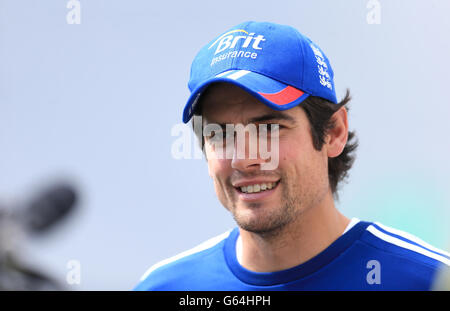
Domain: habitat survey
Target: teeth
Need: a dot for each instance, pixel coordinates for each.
(258, 187)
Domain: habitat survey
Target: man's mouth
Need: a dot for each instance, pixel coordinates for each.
(257, 188)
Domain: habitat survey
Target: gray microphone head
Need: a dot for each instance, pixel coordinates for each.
(49, 207)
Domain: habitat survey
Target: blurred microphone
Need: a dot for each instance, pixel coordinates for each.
(37, 215)
(48, 208)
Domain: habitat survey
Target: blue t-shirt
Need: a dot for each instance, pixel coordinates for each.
(367, 256)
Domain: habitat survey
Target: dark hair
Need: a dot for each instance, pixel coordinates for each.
(319, 112)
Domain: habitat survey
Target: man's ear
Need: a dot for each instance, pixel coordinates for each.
(338, 135)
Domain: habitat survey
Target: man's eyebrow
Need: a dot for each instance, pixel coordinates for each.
(272, 117)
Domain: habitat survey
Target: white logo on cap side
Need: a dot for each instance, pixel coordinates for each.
(324, 76)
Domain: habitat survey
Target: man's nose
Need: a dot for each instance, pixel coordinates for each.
(246, 155)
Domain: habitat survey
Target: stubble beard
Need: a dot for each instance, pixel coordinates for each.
(275, 220)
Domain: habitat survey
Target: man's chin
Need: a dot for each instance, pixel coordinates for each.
(259, 224)
(263, 230)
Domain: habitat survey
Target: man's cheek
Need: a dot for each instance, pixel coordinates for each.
(291, 152)
(285, 152)
(216, 167)
(223, 194)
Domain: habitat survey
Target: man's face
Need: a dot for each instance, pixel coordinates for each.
(300, 180)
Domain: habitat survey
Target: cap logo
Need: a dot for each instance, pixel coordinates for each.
(232, 39)
(228, 40)
(322, 67)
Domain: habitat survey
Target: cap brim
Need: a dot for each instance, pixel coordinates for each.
(274, 94)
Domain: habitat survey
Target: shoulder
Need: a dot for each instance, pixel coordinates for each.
(405, 248)
(171, 272)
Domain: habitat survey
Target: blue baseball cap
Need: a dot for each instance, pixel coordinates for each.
(275, 63)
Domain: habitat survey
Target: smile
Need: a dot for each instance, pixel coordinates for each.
(258, 187)
(256, 192)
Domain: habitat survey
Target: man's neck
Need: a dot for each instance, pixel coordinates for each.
(313, 231)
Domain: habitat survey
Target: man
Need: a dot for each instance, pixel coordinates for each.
(290, 236)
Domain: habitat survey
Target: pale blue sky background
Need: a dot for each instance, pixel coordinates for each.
(95, 103)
